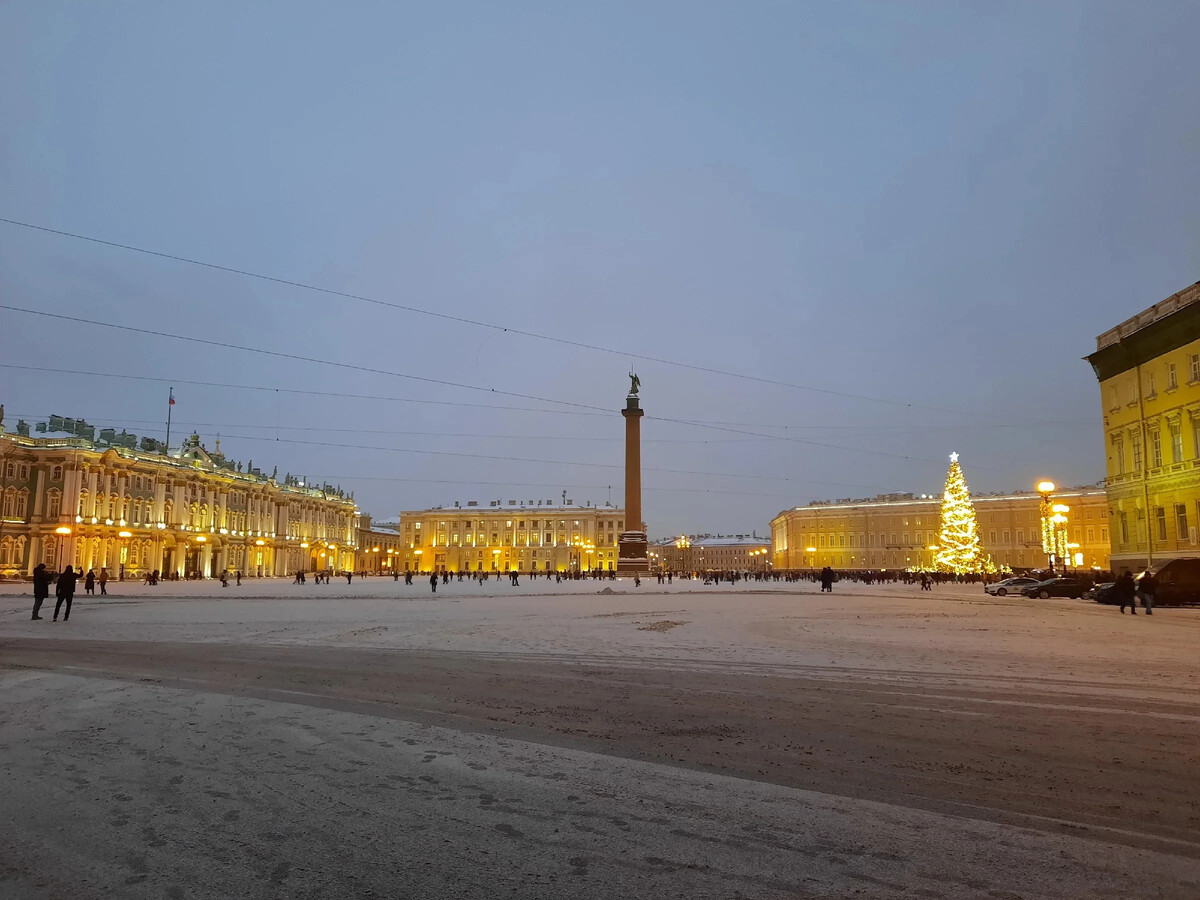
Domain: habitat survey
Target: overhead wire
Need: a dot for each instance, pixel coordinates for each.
(463, 320)
(530, 409)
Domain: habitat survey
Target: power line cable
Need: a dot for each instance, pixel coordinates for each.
(552, 462)
(598, 409)
(463, 320)
(279, 354)
(556, 412)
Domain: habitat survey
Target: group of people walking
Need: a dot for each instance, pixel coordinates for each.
(1129, 592)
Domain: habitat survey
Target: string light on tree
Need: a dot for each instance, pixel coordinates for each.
(958, 546)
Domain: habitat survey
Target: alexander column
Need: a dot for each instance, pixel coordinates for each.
(632, 549)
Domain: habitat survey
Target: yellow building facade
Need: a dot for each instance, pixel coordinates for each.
(507, 536)
(70, 499)
(698, 553)
(900, 531)
(1149, 373)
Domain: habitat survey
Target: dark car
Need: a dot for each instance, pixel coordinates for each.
(1058, 587)
(1103, 593)
(1178, 583)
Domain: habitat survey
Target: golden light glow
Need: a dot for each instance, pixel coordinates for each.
(62, 529)
(125, 534)
(259, 542)
(1045, 487)
(305, 545)
(1061, 508)
(201, 538)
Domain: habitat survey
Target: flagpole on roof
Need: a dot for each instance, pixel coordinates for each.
(170, 403)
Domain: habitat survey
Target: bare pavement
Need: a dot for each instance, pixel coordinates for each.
(374, 740)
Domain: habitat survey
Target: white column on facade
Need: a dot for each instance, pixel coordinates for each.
(39, 493)
(206, 559)
(221, 522)
(35, 552)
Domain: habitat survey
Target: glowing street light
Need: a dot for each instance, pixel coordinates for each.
(1046, 509)
(63, 530)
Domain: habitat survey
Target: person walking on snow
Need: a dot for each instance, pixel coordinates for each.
(65, 592)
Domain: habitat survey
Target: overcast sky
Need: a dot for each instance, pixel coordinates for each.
(915, 216)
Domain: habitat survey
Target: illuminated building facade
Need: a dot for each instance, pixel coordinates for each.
(1149, 373)
(697, 553)
(506, 536)
(900, 531)
(72, 498)
(380, 549)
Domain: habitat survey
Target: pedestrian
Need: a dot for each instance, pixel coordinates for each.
(103, 579)
(65, 591)
(224, 579)
(827, 580)
(1147, 587)
(1126, 592)
(89, 582)
(239, 577)
(433, 582)
(41, 587)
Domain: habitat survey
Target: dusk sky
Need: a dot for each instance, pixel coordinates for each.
(837, 240)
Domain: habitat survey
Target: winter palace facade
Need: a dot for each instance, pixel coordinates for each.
(70, 498)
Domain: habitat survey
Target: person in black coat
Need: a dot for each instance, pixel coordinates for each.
(65, 592)
(41, 587)
(827, 580)
(433, 582)
(1126, 592)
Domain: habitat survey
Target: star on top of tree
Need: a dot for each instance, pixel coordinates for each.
(954, 457)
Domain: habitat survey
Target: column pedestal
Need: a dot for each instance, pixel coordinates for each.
(633, 557)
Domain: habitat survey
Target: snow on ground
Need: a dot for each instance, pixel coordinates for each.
(881, 630)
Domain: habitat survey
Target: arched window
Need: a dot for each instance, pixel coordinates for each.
(10, 471)
(10, 503)
(22, 502)
(56, 473)
(168, 512)
(6, 552)
(84, 504)
(133, 554)
(53, 504)
(50, 551)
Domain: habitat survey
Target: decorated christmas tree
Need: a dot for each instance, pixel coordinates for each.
(958, 544)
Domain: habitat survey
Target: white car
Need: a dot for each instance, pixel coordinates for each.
(1010, 586)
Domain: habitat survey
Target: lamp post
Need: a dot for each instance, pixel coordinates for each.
(1059, 519)
(64, 531)
(375, 550)
(1046, 489)
(124, 536)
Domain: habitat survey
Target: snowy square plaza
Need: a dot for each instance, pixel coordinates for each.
(593, 739)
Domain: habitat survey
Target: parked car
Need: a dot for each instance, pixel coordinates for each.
(1058, 587)
(1178, 582)
(1011, 585)
(1102, 593)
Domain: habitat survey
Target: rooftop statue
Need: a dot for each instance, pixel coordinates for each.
(634, 384)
